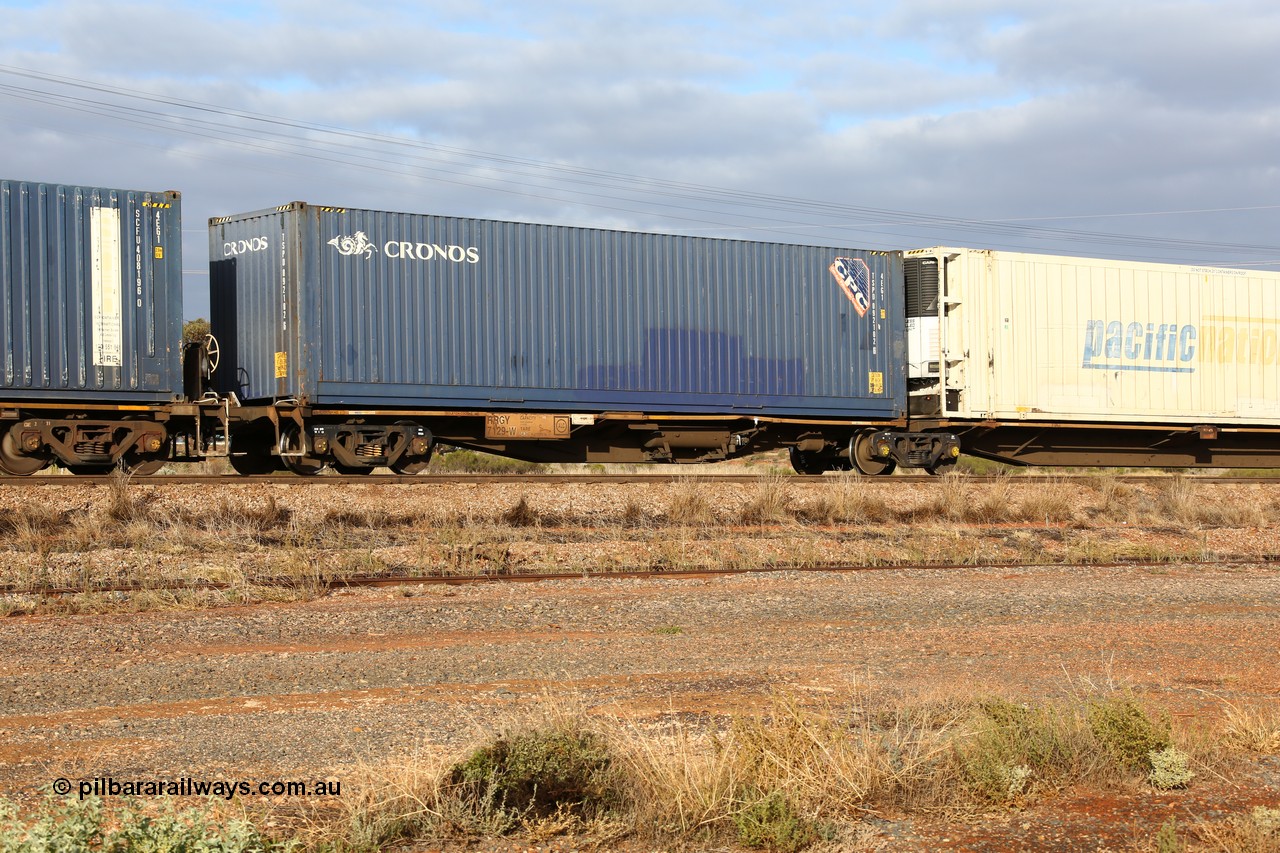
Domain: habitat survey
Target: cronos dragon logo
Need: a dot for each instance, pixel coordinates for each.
(357, 245)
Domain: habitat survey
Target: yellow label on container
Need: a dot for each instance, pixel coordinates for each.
(159, 253)
(282, 365)
(875, 382)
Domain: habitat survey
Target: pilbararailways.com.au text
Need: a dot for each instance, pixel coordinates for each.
(188, 787)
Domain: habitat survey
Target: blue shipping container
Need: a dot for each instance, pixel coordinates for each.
(90, 294)
(366, 309)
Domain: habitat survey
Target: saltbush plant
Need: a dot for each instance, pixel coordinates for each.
(1170, 768)
(71, 825)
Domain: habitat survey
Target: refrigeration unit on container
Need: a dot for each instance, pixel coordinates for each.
(1010, 338)
(1040, 337)
(374, 309)
(90, 294)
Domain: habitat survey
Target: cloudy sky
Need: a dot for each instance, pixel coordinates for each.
(1136, 129)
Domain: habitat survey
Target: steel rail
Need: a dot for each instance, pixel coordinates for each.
(404, 579)
(592, 479)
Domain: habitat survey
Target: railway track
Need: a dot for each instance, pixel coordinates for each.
(561, 479)
(395, 579)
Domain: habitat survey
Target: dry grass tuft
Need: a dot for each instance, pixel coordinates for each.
(1252, 728)
(1116, 500)
(846, 499)
(521, 514)
(1183, 500)
(1050, 503)
(688, 504)
(227, 518)
(364, 519)
(1257, 831)
(126, 505)
(771, 502)
(634, 515)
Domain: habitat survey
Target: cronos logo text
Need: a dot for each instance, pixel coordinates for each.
(232, 248)
(407, 250)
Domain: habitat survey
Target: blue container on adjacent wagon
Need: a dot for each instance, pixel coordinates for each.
(368, 309)
(90, 294)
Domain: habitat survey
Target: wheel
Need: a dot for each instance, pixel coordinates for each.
(809, 464)
(16, 463)
(145, 464)
(860, 454)
(141, 466)
(291, 440)
(305, 466)
(411, 465)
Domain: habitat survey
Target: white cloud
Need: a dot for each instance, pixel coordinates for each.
(985, 110)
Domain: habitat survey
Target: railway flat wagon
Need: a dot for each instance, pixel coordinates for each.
(1061, 360)
(365, 335)
(90, 325)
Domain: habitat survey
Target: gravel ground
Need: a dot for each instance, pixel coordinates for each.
(323, 689)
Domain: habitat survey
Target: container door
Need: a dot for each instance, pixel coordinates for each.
(254, 297)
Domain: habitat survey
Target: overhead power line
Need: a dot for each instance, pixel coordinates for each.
(682, 201)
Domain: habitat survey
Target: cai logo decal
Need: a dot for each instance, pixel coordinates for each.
(357, 245)
(854, 277)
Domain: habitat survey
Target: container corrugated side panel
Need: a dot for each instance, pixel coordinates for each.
(1080, 339)
(90, 293)
(428, 311)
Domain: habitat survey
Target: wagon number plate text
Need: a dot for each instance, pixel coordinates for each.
(524, 425)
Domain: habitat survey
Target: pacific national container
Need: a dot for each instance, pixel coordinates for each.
(90, 294)
(372, 309)
(1044, 338)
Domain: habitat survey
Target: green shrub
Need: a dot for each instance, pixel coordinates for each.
(533, 775)
(194, 331)
(474, 462)
(769, 822)
(967, 464)
(1014, 745)
(1128, 734)
(1167, 840)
